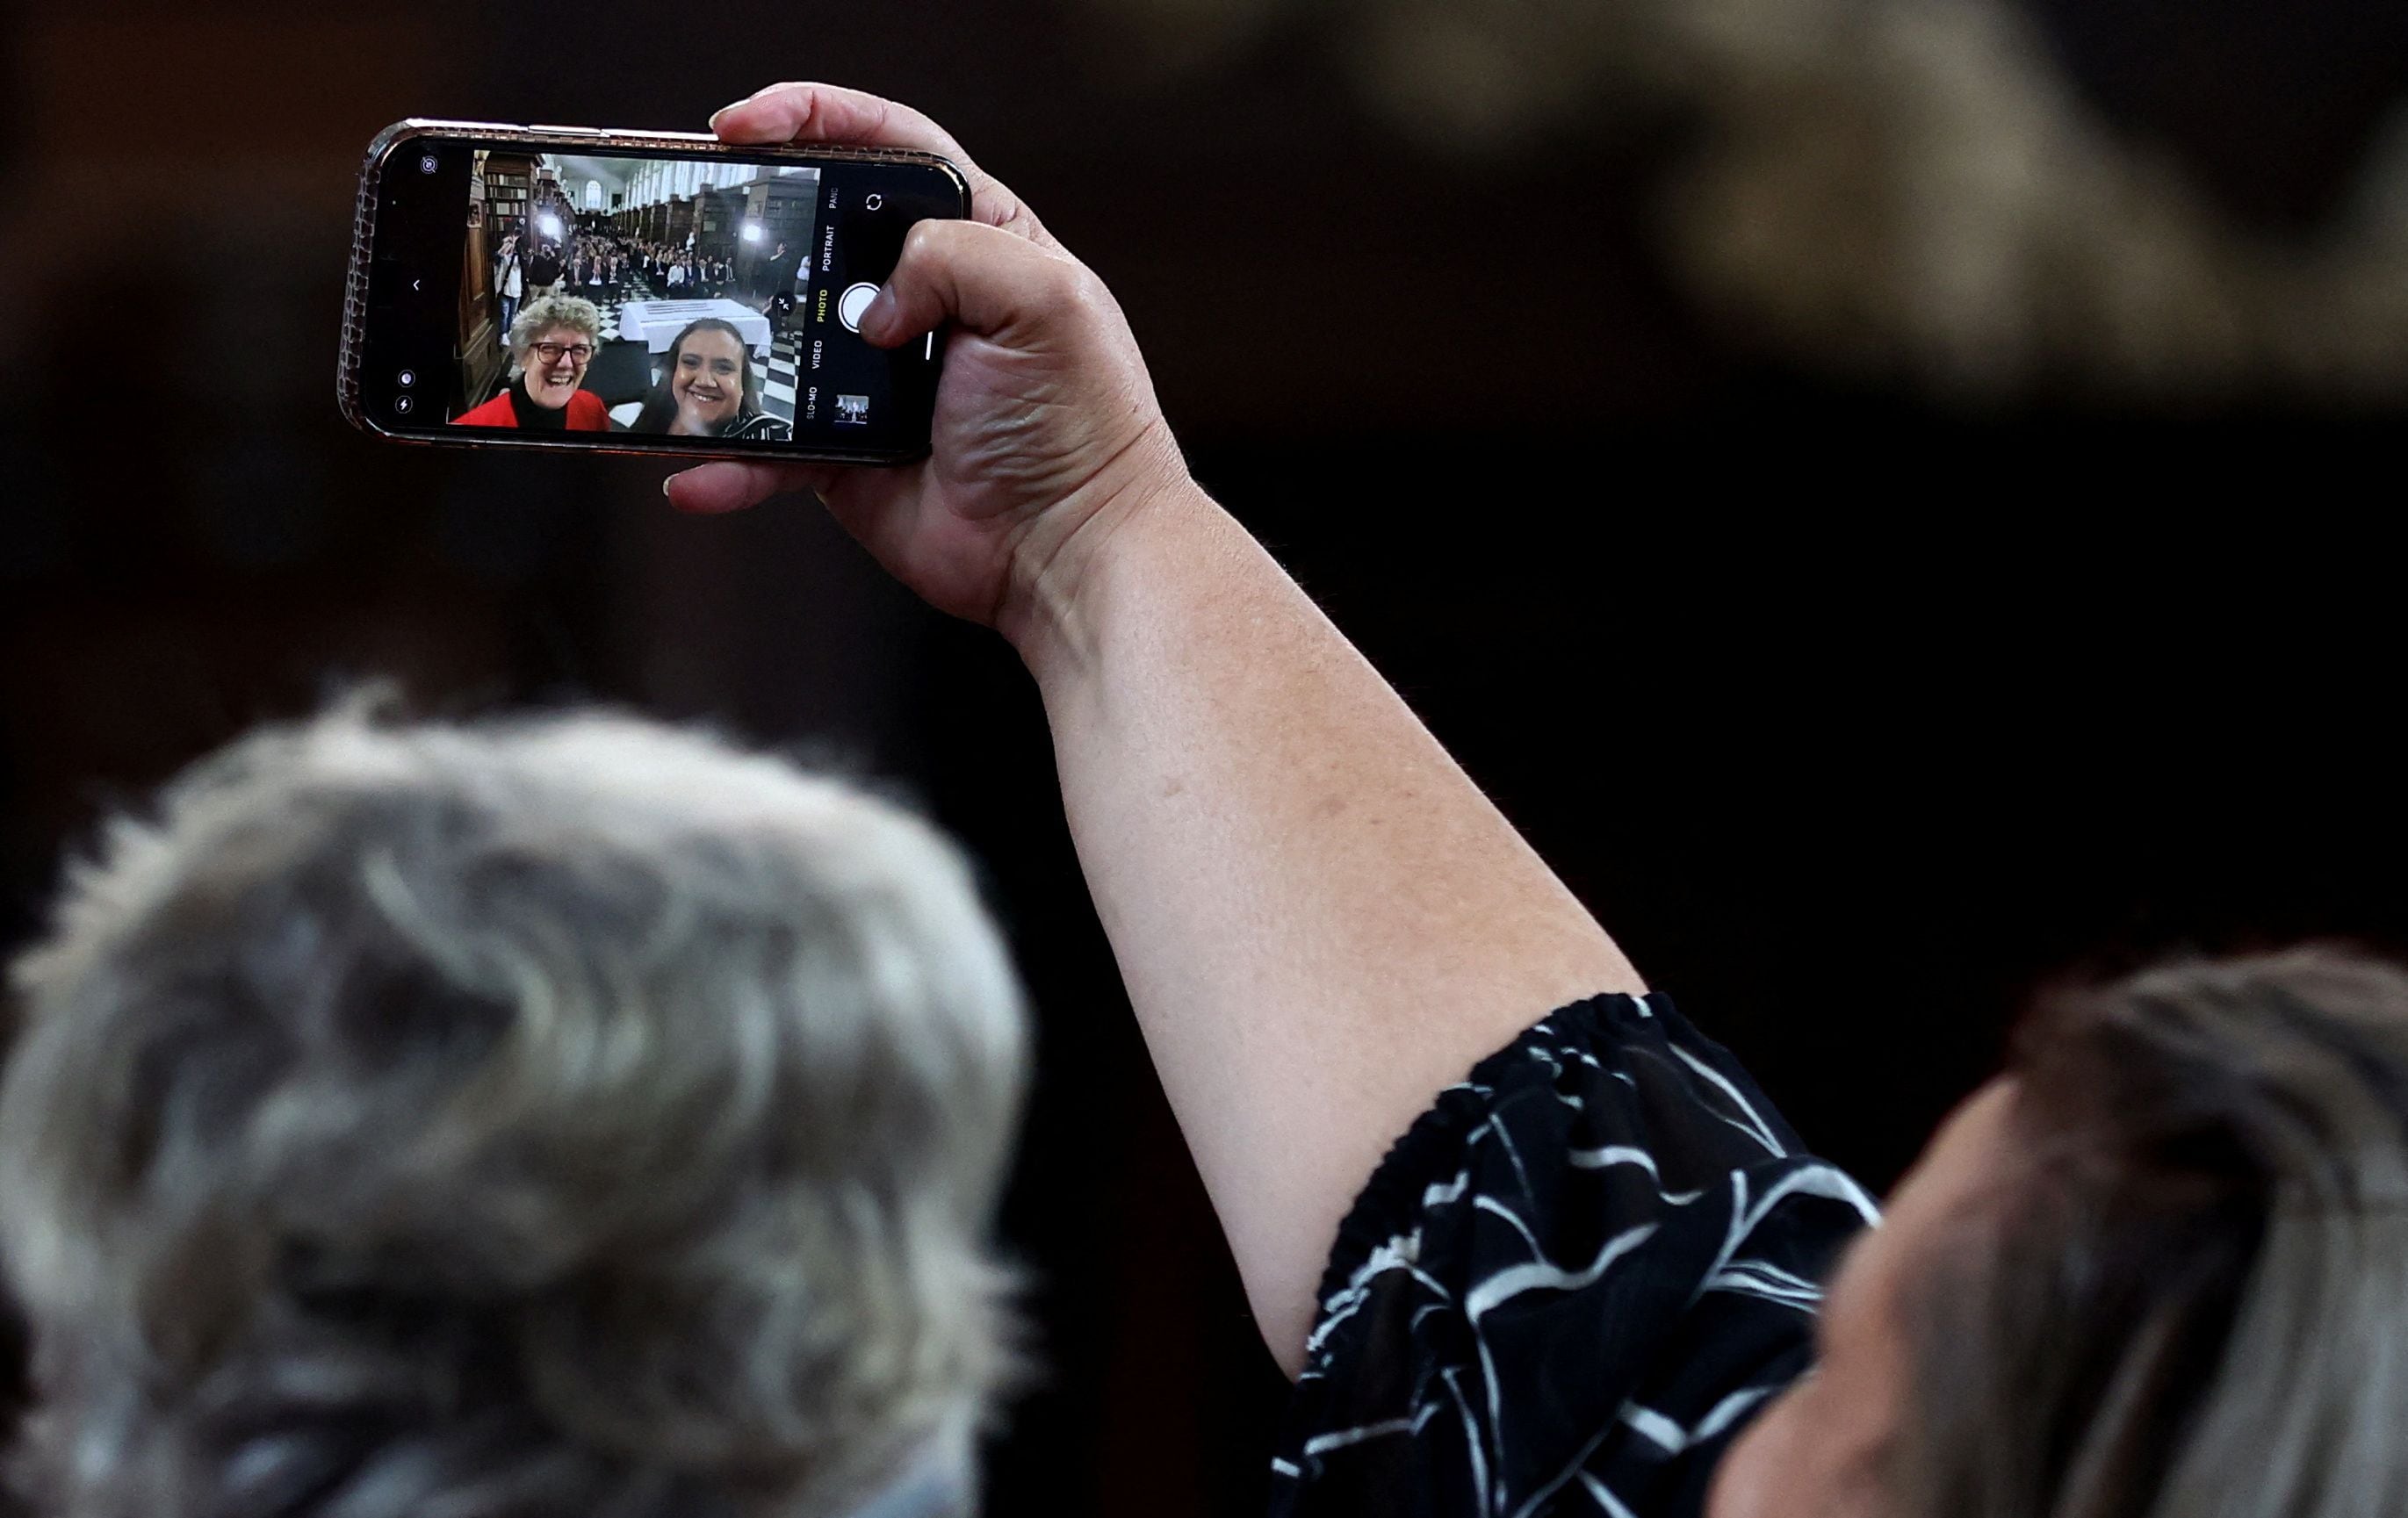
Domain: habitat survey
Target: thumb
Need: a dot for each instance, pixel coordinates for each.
(983, 278)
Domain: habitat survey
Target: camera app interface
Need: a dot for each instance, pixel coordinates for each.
(665, 296)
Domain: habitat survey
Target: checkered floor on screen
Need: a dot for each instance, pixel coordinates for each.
(778, 385)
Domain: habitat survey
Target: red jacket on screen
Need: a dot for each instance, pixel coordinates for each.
(586, 413)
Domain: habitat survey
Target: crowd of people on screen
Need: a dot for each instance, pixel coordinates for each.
(605, 265)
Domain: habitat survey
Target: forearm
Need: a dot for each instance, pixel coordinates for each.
(1320, 919)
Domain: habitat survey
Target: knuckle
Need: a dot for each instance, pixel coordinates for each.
(1077, 289)
(1000, 206)
(921, 243)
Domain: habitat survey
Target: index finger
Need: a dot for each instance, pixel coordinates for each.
(806, 112)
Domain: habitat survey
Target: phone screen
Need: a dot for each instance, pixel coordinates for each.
(671, 301)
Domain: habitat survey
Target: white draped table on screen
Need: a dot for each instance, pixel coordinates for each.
(655, 323)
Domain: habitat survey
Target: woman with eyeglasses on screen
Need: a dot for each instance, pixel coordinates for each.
(550, 343)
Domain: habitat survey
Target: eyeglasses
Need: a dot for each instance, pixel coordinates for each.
(552, 352)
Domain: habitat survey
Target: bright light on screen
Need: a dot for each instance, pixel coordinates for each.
(551, 226)
(752, 232)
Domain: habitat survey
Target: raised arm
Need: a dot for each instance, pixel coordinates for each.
(1320, 919)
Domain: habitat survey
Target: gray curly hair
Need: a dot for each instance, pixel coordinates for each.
(555, 1116)
(538, 317)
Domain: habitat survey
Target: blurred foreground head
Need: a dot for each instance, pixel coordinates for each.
(560, 1116)
(2158, 1269)
(2190, 1296)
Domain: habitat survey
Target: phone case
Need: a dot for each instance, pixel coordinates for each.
(571, 139)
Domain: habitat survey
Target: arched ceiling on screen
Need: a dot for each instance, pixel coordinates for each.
(1900, 189)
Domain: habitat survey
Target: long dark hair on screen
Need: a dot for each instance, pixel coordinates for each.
(660, 406)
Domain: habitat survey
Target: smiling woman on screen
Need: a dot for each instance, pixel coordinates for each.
(552, 342)
(708, 388)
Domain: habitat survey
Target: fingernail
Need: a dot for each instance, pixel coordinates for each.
(665, 484)
(746, 101)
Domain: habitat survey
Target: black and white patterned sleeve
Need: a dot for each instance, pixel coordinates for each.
(1568, 1285)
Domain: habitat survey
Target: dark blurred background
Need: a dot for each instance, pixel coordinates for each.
(1859, 682)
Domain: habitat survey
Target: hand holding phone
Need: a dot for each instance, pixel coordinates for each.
(1045, 418)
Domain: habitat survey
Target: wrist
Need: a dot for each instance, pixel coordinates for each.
(1064, 571)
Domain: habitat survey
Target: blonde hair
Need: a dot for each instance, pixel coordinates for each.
(2193, 1302)
(538, 317)
(561, 1115)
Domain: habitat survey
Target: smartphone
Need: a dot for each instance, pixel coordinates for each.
(657, 292)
